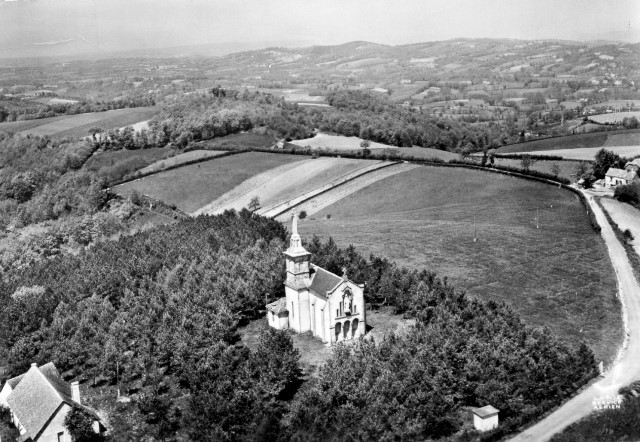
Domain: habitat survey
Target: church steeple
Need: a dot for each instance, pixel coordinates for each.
(297, 258)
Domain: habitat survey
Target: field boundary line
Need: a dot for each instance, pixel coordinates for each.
(279, 209)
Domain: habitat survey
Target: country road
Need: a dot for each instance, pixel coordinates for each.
(626, 368)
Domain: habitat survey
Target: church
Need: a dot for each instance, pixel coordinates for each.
(331, 307)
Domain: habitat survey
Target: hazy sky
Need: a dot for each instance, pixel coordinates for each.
(130, 24)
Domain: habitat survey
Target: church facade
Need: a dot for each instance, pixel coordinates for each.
(331, 307)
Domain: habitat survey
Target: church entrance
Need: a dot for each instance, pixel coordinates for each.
(354, 327)
(345, 329)
(338, 330)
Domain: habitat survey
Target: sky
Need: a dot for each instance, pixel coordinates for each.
(111, 25)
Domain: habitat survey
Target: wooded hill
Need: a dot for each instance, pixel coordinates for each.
(157, 314)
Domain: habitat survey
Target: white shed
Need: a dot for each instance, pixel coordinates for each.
(485, 418)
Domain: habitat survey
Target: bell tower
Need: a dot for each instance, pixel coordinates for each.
(297, 259)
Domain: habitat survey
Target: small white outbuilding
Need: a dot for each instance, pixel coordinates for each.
(485, 418)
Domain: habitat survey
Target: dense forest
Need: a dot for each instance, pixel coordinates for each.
(157, 315)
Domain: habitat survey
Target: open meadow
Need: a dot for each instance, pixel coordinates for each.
(581, 141)
(614, 117)
(111, 157)
(567, 168)
(588, 153)
(337, 142)
(78, 125)
(557, 276)
(182, 158)
(194, 186)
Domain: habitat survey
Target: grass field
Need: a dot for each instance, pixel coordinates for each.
(79, 125)
(557, 275)
(109, 158)
(614, 118)
(337, 142)
(181, 159)
(596, 139)
(193, 186)
(567, 168)
(241, 140)
(588, 153)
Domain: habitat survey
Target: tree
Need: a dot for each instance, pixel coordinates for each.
(527, 161)
(96, 131)
(254, 204)
(364, 144)
(79, 424)
(605, 159)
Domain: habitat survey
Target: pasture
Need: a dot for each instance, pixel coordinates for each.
(614, 117)
(588, 153)
(111, 157)
(78, 125)
(194, 186)
(182, 158)
(567, 168)
(556, 276)
(594, 139)
(337, 142)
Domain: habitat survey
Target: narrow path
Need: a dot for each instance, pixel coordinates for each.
(626, 368)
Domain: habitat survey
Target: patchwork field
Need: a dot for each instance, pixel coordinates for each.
(557, 275)
(194, 186)
(79, 125)
(283, 183)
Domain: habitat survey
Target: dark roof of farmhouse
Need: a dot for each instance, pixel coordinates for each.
(38, 395)
(323, 281)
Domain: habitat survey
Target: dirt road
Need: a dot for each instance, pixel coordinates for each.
(625, 369)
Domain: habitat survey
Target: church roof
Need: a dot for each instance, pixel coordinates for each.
(323, 281)
(279, 306)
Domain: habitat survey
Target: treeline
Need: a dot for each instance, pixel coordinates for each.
(17, 109)
(222, 112)
(158, 312)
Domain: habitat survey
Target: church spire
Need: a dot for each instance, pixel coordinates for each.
(295, 243)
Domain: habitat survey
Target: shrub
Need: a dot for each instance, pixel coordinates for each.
(303, 214)
(628, 236)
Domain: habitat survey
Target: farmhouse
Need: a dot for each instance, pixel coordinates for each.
(39, 401)
(331, 307)
(616, 177)
(633, 166)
